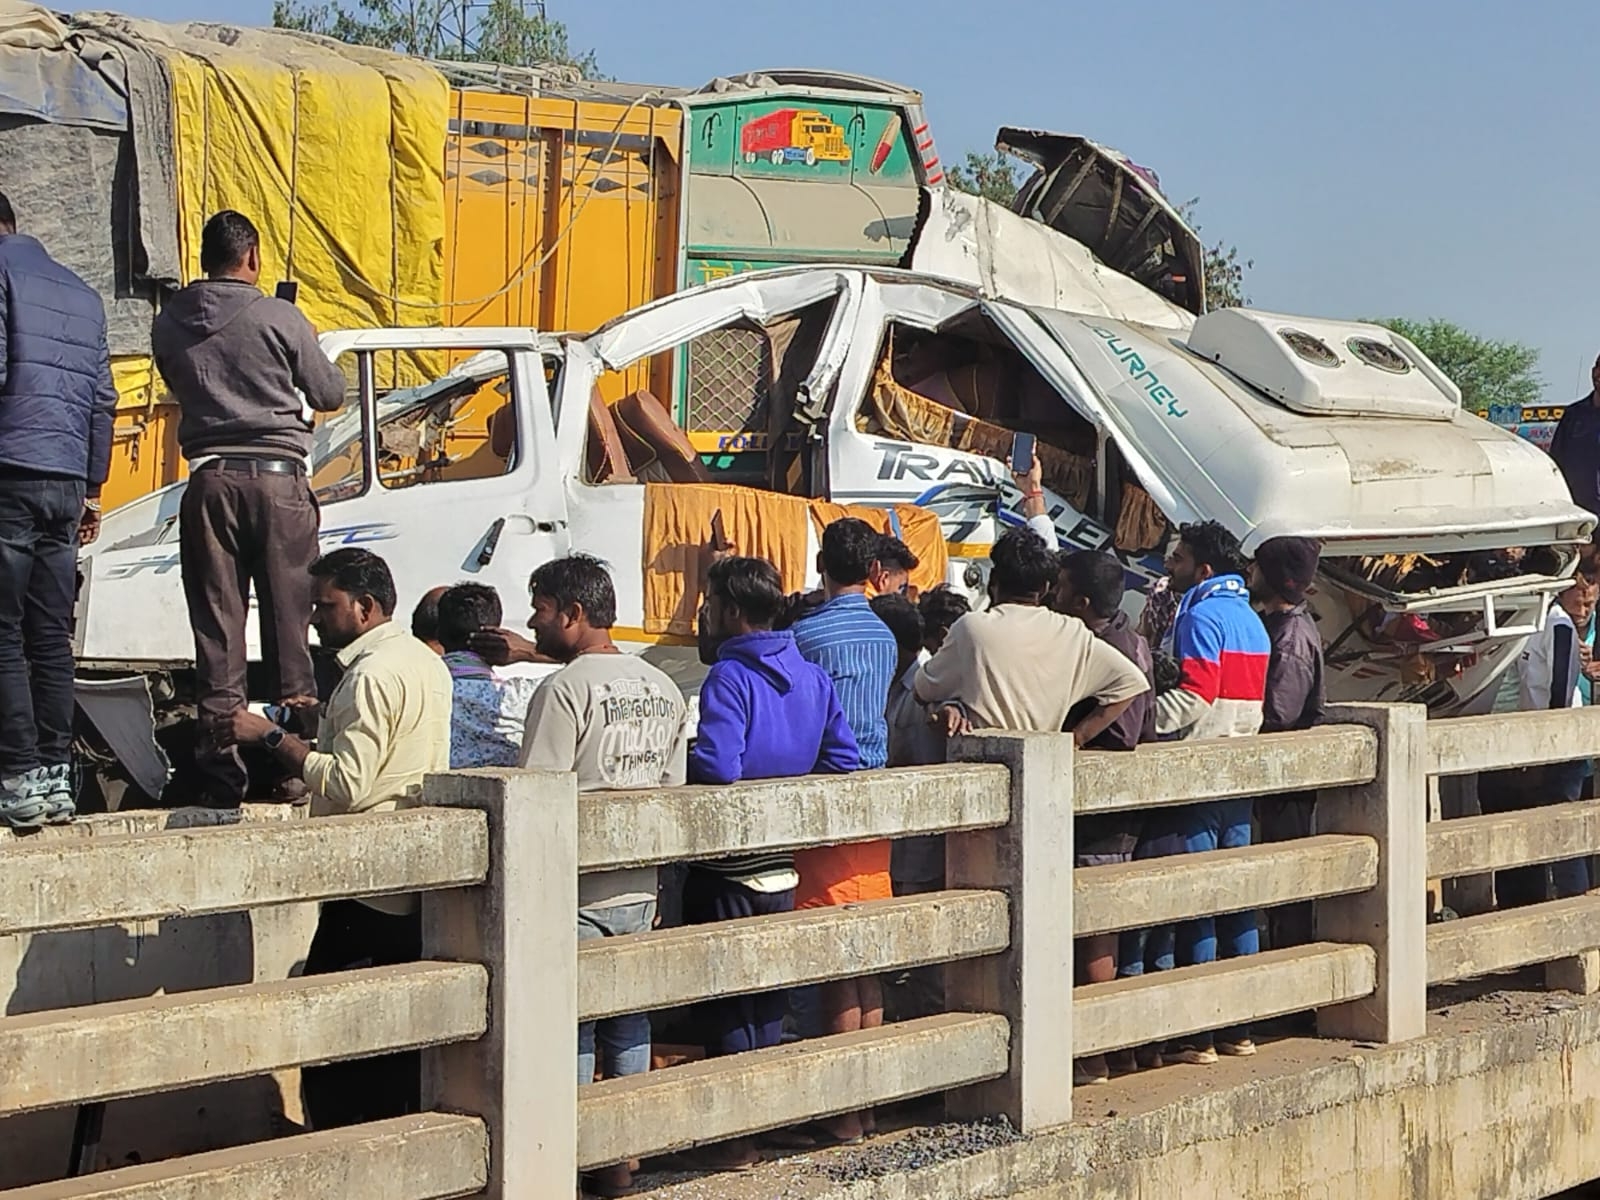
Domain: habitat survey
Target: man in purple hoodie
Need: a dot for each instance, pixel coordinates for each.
(765, 713)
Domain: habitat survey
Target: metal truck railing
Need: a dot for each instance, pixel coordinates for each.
(504, 982)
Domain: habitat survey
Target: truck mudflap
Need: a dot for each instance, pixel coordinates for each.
(122, 712)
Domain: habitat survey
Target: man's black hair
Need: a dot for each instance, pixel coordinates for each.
(895, 555)
(465, 609)
(226, 241)
(942, 607)
(1213, 546)
(579, 579)
(849, 548)
(1021, 564)
(1098, 578)
(752, 585)
(425, 617)
(358, 573)
(8, 215)
(1541, 560)
(903, 620)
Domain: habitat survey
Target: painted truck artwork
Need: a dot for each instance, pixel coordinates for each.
(793, 135)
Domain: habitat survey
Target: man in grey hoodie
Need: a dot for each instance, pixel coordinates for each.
(243, 367)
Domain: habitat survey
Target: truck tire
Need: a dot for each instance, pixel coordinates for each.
(777, 158)
(811, 157)
(749, 156)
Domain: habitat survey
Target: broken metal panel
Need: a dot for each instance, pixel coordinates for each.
(122, 712)
(1100, 197)
(1005, 256)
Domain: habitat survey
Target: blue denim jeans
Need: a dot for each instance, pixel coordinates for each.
(624, 1042)
(1191, 829)
(38, 586)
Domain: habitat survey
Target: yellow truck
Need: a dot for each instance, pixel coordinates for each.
(398, 192)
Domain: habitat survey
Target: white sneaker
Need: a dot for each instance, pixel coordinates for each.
(62, 809)
(25, 799)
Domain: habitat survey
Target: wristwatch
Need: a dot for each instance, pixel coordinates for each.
(274, 738)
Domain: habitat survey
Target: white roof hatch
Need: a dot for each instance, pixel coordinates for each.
(1326, 368)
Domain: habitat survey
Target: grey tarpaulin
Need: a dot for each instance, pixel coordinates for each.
(150, 119)
(72, 188)
(86, 157)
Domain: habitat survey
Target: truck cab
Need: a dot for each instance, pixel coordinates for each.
(477, 454)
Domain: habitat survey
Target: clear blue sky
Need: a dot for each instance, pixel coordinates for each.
(1406, 158)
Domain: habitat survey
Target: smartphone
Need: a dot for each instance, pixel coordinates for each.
(1022, 446)
(288, 290)
(719, 533)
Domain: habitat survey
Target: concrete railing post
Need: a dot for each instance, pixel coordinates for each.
(521, 1077)
(1392, 917)
(1030, 859)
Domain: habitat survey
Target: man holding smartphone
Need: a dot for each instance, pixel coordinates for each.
(243, 367)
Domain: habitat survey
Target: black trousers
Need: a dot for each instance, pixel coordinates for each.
(240, 526)
(39, 518)
(351, 935)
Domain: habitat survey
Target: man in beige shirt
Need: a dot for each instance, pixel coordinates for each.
(1017, 665)
(386, 726)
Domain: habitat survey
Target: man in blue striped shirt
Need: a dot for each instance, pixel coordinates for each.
(847, 640)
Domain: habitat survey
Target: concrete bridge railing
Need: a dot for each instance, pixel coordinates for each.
(504, 982)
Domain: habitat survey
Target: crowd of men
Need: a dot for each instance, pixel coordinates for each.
(859, 675)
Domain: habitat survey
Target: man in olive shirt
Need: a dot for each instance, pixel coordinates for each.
(386, 727)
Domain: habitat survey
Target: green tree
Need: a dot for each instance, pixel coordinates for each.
(992, 176)
(1224, 268)
(498, 31)
(1488, 372)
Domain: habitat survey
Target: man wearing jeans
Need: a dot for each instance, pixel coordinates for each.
(1223, 651)
(618, 723)
(56, 406)
(244, 368)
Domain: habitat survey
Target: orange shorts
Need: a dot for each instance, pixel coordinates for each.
(831, 875)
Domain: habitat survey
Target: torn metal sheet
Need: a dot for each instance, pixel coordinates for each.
(1100, 197)
(123, 714)
(1008, 257)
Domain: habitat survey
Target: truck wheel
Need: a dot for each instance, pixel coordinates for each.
(811, 157)
(777, 158)
(749, 156)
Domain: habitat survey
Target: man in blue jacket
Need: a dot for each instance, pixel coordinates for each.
(765, 713)
(56, 407)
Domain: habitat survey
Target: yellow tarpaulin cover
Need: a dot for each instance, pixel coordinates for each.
(677, 525)
(335, 152)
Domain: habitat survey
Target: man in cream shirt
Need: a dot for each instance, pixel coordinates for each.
(386, 727)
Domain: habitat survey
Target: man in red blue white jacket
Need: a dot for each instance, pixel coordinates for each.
(1222, 650)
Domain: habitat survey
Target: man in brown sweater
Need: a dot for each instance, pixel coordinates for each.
(245, 369)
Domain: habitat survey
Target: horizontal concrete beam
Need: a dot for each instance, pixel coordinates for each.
(1464, 744)
(1158, 891)
(648, 971)
(1468, 845)
(432, 1156)
(108, 1051)
(1501, 941)
(1183, 772)
(1169, 1004)
(66, 883)
(641, 1115)
(634, 829)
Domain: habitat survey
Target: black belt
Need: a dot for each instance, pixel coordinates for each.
(255, 466)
